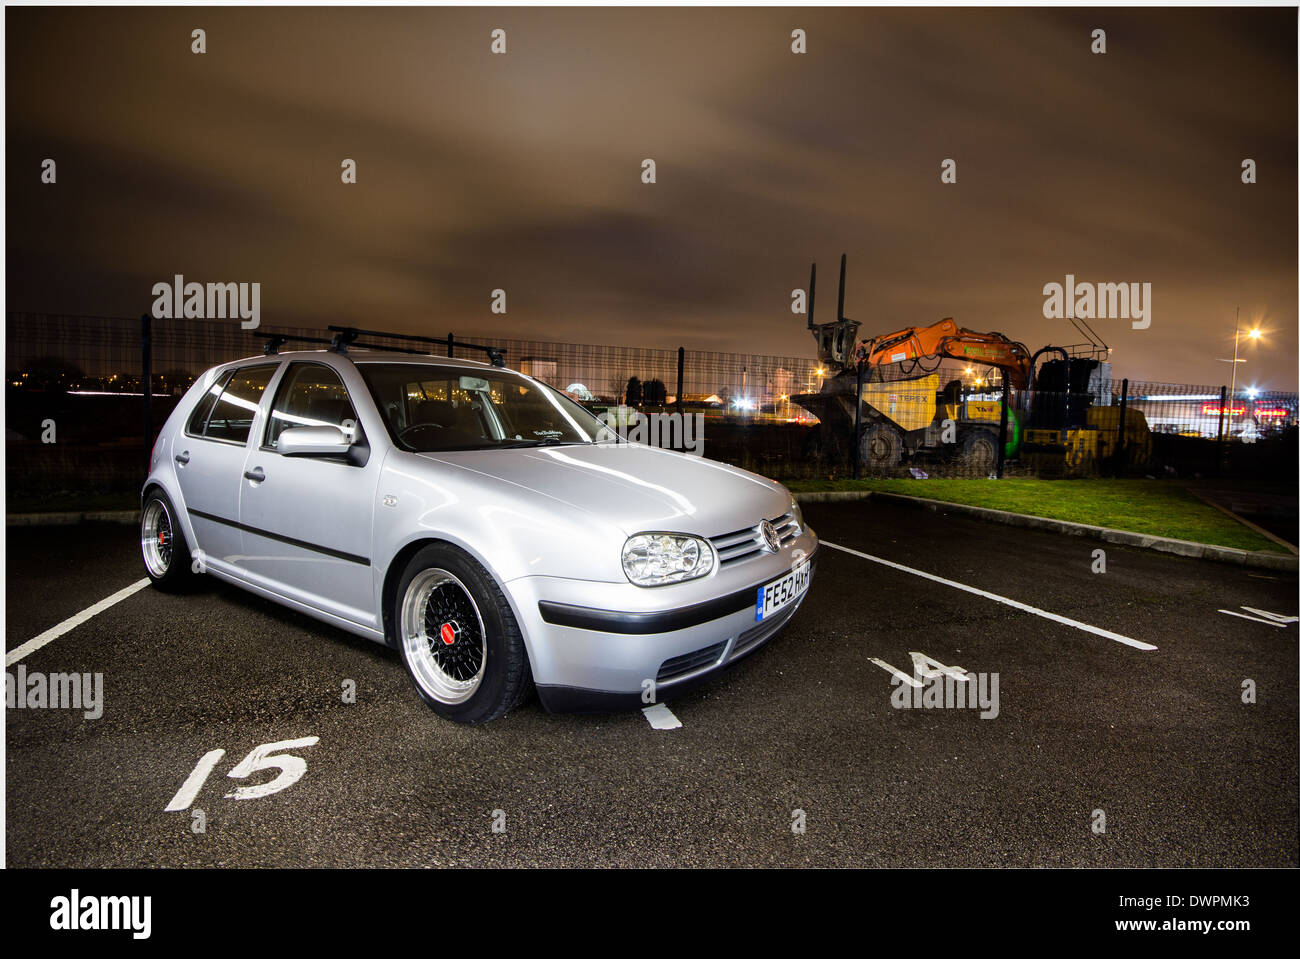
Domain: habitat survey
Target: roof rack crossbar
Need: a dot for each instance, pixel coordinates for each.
(276, 340)
(347, 335)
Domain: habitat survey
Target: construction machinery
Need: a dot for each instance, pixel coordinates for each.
(936, 392)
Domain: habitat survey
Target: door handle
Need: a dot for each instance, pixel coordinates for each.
(256, 475)
(183, 458)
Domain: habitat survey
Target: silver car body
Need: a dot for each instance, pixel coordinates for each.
(330, 538)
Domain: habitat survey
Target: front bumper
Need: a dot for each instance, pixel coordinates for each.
(598, 646)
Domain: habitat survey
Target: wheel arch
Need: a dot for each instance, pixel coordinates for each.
(397, 566)
(150, 485)
(182, 516)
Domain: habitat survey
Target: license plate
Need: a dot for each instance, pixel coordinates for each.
(782, 592)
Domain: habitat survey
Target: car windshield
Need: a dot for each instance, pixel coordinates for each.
(431, 409)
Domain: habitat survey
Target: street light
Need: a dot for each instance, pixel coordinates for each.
(1253, 334)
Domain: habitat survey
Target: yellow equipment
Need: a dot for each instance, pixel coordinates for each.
(1096, 442)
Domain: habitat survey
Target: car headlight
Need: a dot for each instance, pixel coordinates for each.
(656, 559)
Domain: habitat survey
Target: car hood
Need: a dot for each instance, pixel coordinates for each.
(636, 488)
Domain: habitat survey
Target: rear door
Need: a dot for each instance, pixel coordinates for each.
(307, 519)
(210, 457)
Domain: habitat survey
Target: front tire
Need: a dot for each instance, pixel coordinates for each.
(162, 544)
(979, 453)
(458, 637)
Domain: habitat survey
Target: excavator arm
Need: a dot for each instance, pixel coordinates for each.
(947, 339)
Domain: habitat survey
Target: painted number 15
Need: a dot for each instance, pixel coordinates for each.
(266, 756)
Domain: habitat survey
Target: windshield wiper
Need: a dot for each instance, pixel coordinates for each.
(548, 441)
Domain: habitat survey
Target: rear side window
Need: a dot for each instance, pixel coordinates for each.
(311, 395)
(199, 418)
(231, 418)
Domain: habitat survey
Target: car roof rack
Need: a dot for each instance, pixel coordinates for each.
(345, 336)
(276, 340)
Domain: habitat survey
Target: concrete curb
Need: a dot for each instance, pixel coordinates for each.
(1247, 523)
(832, 496)
(127, 517)
(1163, 544)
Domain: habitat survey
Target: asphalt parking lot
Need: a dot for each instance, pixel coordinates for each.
(1159, 740)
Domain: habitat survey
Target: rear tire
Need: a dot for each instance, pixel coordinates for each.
(881, 447)
(162, 544)
(458, 637)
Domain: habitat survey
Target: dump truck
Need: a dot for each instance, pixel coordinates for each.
(936, 393)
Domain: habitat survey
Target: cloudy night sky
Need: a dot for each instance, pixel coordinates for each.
(523, 171)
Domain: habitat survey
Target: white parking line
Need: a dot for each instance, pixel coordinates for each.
(1254, 619)
(1024, 607)
(661, 717)
(72, 622)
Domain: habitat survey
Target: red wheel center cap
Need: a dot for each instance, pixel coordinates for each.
(448, 633)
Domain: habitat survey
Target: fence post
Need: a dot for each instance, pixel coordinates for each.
(681, 370)
(1065, 420)
(451, 345)
(1120, 446)
(1002, 425)
(857, 425)
(146, 379)
(1223, 408)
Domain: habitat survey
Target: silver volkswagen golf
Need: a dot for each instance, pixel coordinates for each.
(493, 531)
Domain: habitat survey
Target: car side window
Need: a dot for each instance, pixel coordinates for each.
(442, 404)
(231, 418)
(199, 418)
(311, 395)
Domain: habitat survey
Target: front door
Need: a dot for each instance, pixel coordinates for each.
(307, 519)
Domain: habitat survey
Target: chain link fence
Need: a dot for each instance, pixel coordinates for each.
(781, 416)
(93, 352)
(951, 421)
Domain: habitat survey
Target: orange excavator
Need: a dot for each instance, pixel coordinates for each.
(915, 345)
(914, 399)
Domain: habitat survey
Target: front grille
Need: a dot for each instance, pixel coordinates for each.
(680, 666)
(747, 543)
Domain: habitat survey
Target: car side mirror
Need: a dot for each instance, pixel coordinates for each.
(313, 441)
